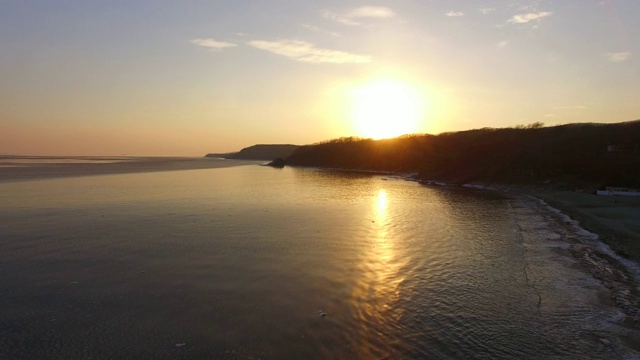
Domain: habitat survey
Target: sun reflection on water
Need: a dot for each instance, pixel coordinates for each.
(381, 214)
(377, 290)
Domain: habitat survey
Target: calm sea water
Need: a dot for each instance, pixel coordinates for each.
(254, 262)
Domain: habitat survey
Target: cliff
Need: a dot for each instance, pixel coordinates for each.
(259, 152)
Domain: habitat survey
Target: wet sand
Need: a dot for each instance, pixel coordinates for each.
(616, 222)
(36, 168)
(584, 253)
(615, 219)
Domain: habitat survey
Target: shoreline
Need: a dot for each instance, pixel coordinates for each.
(615, 219)
(605, 244)
(611, 255)
(617, 275)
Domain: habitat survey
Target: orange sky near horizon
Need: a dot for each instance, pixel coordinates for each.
(168, 79)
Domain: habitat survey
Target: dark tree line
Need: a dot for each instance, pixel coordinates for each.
(593, 154)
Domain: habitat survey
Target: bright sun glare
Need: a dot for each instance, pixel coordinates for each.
(385, 108)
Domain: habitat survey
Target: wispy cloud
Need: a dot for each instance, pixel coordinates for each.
(565, 110)
(319, 30)
(353, 16)
(307, 52)
(618, 56)
(502, 44)
(525, 18)
(372, 12)
(487, 10)
(454, 13)
(212, 43)
(569, 107)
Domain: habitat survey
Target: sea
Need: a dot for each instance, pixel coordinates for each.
(242, 261)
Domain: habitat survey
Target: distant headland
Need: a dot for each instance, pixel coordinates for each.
(259, 152)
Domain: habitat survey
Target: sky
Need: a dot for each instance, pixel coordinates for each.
(186, 78)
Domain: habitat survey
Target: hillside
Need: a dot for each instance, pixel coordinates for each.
(259, 152)
(574, 155)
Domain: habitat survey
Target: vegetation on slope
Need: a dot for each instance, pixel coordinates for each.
(575, 154)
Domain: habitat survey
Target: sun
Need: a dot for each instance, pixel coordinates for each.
(385, 108)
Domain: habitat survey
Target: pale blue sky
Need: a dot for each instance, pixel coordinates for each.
(187, 78)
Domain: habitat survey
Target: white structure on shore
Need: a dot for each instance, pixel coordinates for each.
(618, 191)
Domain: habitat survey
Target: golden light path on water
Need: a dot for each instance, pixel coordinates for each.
(377, 291)
(237, 262)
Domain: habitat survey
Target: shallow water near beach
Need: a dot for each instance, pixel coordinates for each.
(255, 262)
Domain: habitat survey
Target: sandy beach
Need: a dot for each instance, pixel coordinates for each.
(613, 221)
(616, 219)
(20, 168)
(616, 222)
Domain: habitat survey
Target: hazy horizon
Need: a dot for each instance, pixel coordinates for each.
(231, 150)
(156, 78)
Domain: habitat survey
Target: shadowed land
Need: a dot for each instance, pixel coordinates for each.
(586, 156)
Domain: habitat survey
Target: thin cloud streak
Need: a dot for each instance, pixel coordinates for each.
(364, 12)
(306, 52)
(486, 11)
(379, 12)
(212, 43)
(569, 107)
(319, 30)
(454, 13)
(525, 18)
(618, 56)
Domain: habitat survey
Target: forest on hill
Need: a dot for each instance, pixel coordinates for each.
(576, 155)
